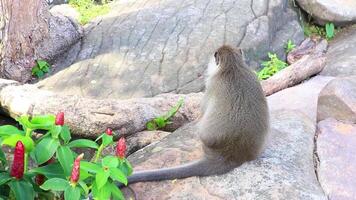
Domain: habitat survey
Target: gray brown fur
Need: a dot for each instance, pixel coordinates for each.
(234, 122)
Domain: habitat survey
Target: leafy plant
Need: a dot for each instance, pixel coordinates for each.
(330, 30)
(162, 121)
(311, 29)
(89, 9)
(40, 68)
(60, 169)
(289, 46)
(271, 67)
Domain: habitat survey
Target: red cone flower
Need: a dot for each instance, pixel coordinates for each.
(121, 148)
(74, 177)
(18, 163)
(108, 131)
(60, 119)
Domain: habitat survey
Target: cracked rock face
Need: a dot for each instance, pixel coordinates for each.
(336, 148)
(144, 48)
(340, 12)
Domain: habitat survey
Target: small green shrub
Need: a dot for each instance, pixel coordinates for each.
(89, 9)
(162, 121)
(40, 68)
(289, 46)
(271, 67)
(312, 30)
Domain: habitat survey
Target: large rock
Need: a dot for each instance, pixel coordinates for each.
(340, 12)
(336, 147)
(285, 170)
(338, 100)
(341, 55)
(144, 48)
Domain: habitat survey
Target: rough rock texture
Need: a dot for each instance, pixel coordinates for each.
(66, 10)
(340, 12)
(336, 147)
(89, 117)
(341, 55)
(145, 48)
(338, 100)
(284, 171)
(302, 98)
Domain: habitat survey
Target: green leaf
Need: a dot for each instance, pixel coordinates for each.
(2, 158)
(84, 186)
(45, 149)
(116, 193)
(90, 167)
(110, 161)
(65, 134)
(8, 130)
(174, 110)
(13, 139)
(66, 159)
(160, 121)
(53, 170)
(55, 131)
(83, 143)
(101, 193)
(84, 174)
(151, 126)
(72, 193)
(45, 122)
(107, 139)
(22, 190)
(126, 167)
(101, 177)
(4, 178)
(118, 175)
(39, 74)
(330, 30)
(55, 184)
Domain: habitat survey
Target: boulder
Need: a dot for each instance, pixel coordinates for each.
(285, 170)
(340, 58)
(66, 10)
(339, 12)
(336, 149)
(338, 100)
(141, 49)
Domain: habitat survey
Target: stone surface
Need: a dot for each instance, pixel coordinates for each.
(66, 10)
(338, 100)
(302, 98)
(341, 55)
(145, 48)
(90, 117)
(285, 169)
(336, 146)
(340, 12)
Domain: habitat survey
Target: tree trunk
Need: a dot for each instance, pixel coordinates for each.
(23, 25)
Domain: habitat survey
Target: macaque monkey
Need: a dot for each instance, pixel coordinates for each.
(234, 121)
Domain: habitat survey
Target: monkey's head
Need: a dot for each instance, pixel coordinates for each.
(227, 56)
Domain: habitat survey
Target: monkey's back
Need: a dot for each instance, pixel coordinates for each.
(236, 121)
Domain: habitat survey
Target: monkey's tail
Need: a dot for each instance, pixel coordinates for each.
(202, 167)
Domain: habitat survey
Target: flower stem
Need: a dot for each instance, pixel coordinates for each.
(98, 153)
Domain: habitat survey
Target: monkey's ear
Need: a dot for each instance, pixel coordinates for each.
(216, 58)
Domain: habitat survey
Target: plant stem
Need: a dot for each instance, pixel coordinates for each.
(98, 153)
(28, 134)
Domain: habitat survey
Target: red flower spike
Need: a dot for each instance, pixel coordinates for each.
(18, 163)
(109, 131)
(60, 119)
(121, 148)
(74, 177)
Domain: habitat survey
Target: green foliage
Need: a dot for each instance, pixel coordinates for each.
(89, 9)
(330, 30)
(289, 46)
(327, 32)
(98, 176)
(40, 68)
(162, 121)
(271, 67)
